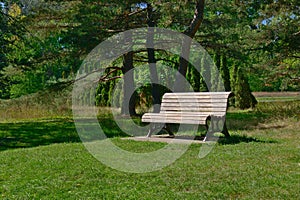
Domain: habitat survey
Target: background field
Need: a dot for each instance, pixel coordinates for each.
(276, 96)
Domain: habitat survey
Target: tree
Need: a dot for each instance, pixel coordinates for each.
(12, 34)
(243, 97)
(155, 90)
(190, 31)
(225, 73)
(129, 99)
(225, 31)
(274, 41)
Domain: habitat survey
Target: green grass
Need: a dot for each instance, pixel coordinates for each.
(44, 159)
(274, 99)
(67, 171)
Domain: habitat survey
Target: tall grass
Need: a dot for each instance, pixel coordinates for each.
(279, 110)
(47, 104)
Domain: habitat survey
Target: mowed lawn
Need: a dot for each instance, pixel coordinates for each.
(44, 159)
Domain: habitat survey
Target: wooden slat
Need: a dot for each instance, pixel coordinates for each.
(195, 97)
(193, 100)
(180, 113)
(174, 95)
(175, 114)
(207, 99)
(172, 121)
(178, 108)
(207, 113)
(161, 119)
(199, 105)
(203, 113)
(199, 94)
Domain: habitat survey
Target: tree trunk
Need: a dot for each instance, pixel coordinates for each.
(129, 98)
(152, 61)
(179, 85)
(128, 105)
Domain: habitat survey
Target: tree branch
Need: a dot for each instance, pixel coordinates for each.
(197, 20)
(104, 78)
(110, 79)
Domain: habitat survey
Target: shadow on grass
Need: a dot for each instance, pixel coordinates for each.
(236, 139)
(31, 134)
(45, 132)
(244, 121)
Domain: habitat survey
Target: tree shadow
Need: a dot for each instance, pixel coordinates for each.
(244, 121)
(62, 130)
(249, 121)
(110, 128)
(37, 133)
(236, 139)
(45, 132)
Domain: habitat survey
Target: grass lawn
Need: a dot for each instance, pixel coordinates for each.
(44, 159)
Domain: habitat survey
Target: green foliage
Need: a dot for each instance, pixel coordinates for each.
(44, 42)
(224, 71)
(243, 97)
(103, 94)
(206, 71)
(194, 77)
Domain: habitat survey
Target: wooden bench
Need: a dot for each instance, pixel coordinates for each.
(191, 108)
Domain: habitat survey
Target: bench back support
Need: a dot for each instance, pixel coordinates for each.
(204, 103)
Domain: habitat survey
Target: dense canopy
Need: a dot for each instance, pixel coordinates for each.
(255, 44)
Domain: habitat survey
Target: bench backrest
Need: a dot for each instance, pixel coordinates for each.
(204, 103)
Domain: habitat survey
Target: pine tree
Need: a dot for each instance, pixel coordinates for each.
(243, 96)
(225, 73)
(206, 74)
(193, 76)
(216, 72)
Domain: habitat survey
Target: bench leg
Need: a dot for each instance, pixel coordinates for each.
(168, 130)
(209, 129)
(151, 130)
(214, 127)
(225, 130)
